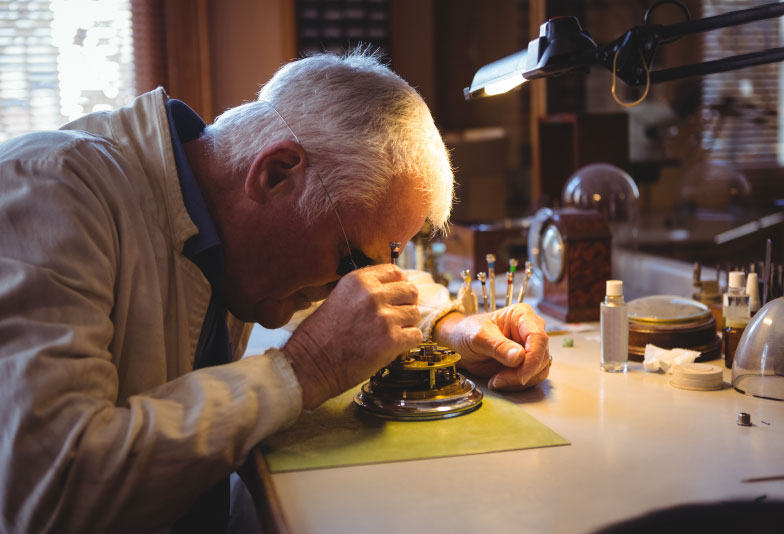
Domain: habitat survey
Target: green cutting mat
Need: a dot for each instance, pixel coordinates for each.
(338, 434)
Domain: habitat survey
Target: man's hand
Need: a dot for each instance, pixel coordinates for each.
(370, 317)
(508, 345)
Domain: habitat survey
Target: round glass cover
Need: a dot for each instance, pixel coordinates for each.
(610, 191)
(758, 366)
(730, 192)
(666, 309)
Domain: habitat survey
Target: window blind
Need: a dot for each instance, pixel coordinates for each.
(740, 108)
(60, 59)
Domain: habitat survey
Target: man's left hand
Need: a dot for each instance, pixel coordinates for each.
(508, 345)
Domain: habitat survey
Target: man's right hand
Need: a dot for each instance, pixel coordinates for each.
(370, 317)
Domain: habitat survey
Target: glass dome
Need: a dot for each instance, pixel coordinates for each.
(758, 367)
(609, 190)
(730, 192)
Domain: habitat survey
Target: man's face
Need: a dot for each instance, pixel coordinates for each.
(291, 265)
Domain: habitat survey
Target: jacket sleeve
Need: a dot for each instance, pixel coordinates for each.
(71, 458)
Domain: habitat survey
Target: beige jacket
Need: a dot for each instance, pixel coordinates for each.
(103, 426)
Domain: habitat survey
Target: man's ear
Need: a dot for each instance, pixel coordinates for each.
(277, 169)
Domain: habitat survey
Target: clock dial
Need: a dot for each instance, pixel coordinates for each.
(534, 234)
(551, 253)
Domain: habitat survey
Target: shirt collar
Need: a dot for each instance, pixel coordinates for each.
(205, 249)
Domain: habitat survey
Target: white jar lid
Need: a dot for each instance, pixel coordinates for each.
(697, 376)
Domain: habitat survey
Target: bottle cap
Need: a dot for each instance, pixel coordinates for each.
(737, 280)
(614, 288)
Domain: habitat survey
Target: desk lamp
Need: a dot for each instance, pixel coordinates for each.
(564, 47)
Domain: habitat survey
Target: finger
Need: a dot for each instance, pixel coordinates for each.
(491, 342)
(383, 273)
(539, 378)
(401, 293)
(509, 380)
(537, 346)
(521, 376)
(404, 316)
(509, 353)
(523, 321)
(406, 338)
(410, 336)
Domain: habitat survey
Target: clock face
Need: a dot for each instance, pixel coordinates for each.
(534, 235)
(552, 253)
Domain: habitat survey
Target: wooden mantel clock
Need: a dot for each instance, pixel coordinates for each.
(574, 257)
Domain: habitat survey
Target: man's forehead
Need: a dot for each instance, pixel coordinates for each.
(398, 217)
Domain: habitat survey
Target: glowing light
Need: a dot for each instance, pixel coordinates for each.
(504, 85)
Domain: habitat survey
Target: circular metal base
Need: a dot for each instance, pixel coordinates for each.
(463, 398)
(699, 335)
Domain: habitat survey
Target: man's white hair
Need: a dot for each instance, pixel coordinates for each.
(361, 126)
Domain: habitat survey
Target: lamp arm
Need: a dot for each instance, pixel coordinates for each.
(640, 43)
(761, 57)
(726, 20)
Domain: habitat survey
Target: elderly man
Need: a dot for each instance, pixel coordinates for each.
(138, 247)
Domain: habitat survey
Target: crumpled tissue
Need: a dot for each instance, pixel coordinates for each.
(666, 359)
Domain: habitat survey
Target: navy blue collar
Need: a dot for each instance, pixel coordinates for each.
(205, 249)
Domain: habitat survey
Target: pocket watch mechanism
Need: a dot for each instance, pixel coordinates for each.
(420, 384)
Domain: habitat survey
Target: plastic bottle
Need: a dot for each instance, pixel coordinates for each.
(615, 329)
(735, 314)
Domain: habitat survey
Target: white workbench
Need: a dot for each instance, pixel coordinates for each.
(637, 444)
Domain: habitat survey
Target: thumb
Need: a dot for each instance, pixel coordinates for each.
(509, 353)
(501, 348)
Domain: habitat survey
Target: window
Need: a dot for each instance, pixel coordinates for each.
(60, 59)
(740, 108)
